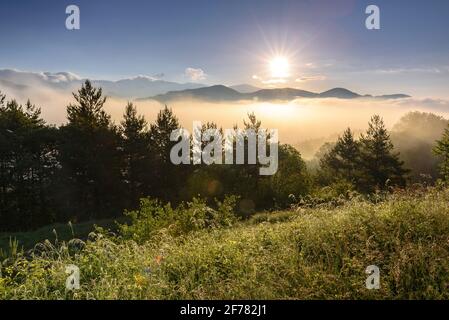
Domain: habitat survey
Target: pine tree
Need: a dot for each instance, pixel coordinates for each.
(90, 157)
(27, 166)
(379, 163)
(136, 155)
(442, 149)
(167, 176)
(160, 131)
(89, 108)
(344, 158)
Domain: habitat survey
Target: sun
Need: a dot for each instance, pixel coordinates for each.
(279, 67)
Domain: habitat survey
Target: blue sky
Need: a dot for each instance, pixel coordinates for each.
(232, 41)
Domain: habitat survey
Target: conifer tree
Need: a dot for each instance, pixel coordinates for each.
(90, 157)
(344, 158)
(379, 163)
(136, 155)
(166, 175)
(27, 166)
(442, 149)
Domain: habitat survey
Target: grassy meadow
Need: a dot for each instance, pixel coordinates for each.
(195, 252)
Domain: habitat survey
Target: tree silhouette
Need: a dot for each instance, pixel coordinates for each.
(166, 174)
(378, 161)
(442, 149)
(90, 157)
(136, 155)
(27, 163)
(344, 158)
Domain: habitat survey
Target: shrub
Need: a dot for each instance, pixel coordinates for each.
(153, 217)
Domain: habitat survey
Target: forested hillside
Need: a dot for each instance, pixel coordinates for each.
(91, 168)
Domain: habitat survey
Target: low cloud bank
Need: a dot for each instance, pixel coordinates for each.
(297, 120)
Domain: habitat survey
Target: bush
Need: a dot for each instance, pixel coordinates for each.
(153, 217)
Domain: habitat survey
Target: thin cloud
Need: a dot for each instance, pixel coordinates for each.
(270, 81)
(30, 78)
(311, 78)
(60, 77)
(404, 70)
(195, 74)
(428, 104)
(321, 64)
(156, 77)
(311, 65)
(274, 81)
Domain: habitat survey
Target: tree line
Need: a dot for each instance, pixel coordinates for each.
(91, 168)
(369, 163)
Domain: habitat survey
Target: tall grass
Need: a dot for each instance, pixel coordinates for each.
(319, 253)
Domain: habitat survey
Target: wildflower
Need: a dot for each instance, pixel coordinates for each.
(140, 280)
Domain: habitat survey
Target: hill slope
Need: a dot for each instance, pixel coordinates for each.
(309, 254)
(341, 93)
(214, 93)
(222, 93)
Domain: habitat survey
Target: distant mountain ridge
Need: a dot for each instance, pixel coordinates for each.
(223, 93)
(140, 87)
(131, 88)
(245, 88)
(165, 91)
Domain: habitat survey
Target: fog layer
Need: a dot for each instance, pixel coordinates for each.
(297, 121)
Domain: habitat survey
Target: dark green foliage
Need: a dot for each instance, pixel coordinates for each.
(291, 180)
(166, 174)
(369, 163)
(152, 216)
(90, 168)
(442, 149)
(379, 162)
(89, 153)
(27, 163)
(256, 192)
(344, 158)
(136, 156)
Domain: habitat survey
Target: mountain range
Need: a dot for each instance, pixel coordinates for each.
(164, 91)
(223, 93)
(131, 88)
